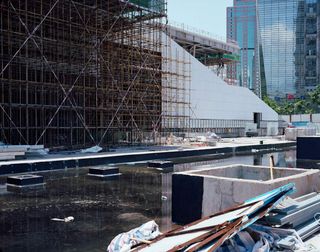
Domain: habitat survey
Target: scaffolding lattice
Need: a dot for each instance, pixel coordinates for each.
(176, 89)
(78, 73)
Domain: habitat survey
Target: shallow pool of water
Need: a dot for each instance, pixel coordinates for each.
(101, 208)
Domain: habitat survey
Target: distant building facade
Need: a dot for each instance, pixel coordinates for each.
(286, 44)
(307, 46)
(242, 28)
(279, 38)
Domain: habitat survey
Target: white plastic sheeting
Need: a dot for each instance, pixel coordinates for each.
(212, 98)
(94, 149)
(124, 241)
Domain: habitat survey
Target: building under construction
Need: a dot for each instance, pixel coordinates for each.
(78, 73)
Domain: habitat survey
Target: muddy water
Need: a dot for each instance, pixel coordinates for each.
(101, 209)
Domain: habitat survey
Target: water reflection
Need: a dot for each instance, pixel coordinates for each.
(282, 159)
(257, 159)
(166, 202)
(101, 209)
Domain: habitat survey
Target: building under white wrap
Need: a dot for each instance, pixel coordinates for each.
(212, 103)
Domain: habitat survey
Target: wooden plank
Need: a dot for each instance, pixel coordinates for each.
(12, 149)
(222, 233)
(25, 148)
(17, 153)
(7, 157)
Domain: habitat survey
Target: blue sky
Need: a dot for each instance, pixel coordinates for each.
(208, 15)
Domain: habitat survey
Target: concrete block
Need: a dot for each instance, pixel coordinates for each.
(187, 192)
(104, 172)
(25, 183)
(216, 189)
(308, 148)
(25, 180)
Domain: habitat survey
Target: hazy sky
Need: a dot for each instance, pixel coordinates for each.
(208, 15)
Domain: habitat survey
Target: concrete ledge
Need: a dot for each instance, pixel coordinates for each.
(21, 166)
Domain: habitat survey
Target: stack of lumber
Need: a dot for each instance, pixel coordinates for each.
(11, 152)
(301, 214)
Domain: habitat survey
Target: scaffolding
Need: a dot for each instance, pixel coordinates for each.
(176, 90)
(78, 73)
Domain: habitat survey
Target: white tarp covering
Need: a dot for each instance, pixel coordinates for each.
(124, 241)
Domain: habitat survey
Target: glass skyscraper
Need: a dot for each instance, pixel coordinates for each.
(242, 28)
(277, 21)
(307, 51)
(285, 51)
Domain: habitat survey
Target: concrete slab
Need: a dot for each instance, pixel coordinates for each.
(226, 186)
(84, 160)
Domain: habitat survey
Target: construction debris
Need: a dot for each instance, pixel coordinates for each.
(94, 149)
(302, 214)
(125, 241)
(11, 152)
(211, 233)
(67, 219)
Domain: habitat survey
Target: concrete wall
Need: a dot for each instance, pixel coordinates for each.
(228, 192)
(212, 98)
(247, 172)
(219, 192)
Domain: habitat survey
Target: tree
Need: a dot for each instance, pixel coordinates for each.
(309, 105)
(299, 107)
(272, 104)
(287, 108)
(314, 98)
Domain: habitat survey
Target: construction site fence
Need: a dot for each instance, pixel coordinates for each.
(314, 119)
(222, 127)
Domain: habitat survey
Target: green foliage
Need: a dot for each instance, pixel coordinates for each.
(287, 108)
(272, 103)
(308, 106)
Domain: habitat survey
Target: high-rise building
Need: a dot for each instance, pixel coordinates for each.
(307, 51)
(242, 28)
(281, 43)
(284, 52)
